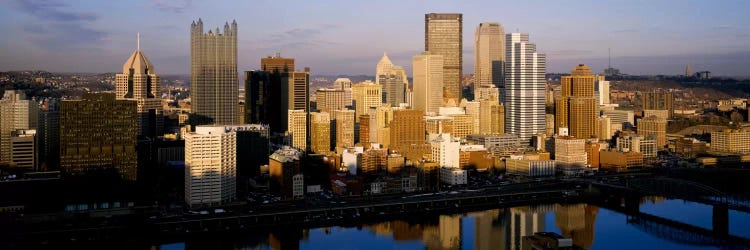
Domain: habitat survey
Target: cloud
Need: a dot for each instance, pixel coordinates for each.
(296, 38)
(57, 26)
(625, 31)
(569, 52)
(174, 6)
(53, 10)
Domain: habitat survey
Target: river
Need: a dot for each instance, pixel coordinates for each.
(589, 226)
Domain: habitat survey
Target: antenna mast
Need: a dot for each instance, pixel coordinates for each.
(138, 41)
(609, 56)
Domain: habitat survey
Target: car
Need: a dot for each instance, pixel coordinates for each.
(219, 211)
(204, 212)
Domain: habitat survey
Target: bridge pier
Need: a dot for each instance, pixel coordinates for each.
(721, 220)
(633, 203)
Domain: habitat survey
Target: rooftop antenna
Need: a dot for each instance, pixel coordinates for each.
(609, 55)
(138, 41)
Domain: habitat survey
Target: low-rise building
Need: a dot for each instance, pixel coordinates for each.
(453, 176)
(620, 161)
(530, 166)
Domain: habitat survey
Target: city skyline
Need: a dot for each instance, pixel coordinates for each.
(660, 40)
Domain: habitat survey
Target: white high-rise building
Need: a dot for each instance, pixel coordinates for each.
(427, 73)
(489, 57)
(16, 112)
(211, 165)
(603, 89)
(524, 87)
(445, 151)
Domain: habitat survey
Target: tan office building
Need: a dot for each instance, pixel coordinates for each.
(576, 107)
(443, 36)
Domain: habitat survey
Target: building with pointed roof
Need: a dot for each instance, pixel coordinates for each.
(139, 82)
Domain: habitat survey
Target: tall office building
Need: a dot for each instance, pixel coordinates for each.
(654, 126)
(139, 82)
(99, 132)
(210, 166)
(253, 147)
(524, 87)
(263, 100)
(384, 67)
(576, 105)
(407, 128)
(48, 134)
(320, 132)
(297, 129)
(658, 101)
(603, 91)
(443, 35)
(16, 112)
(344, 84)
(277, 63)
(344, 120)
(394, 90)
(23, 149)
(295, 90)
(489, 57)
(427, 73)
(570, 154)
(329, 100)
(213, 73)
(366, 95)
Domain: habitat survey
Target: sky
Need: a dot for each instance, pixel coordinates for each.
(349, 37)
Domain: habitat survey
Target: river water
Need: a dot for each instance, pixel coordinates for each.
(589, 226)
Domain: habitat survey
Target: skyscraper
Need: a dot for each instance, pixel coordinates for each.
(16, 112)
(48, 134)
(658, 101)
(277, 63)
(384, 67)
(394, 89)
(320, 132)
(329, 100)
(366, 95)
(139, 82)
(344, 120)
(427, 82)
(524, 87)
(99, 132)
(443, 36)
(213, 73)
(654, 126)
(489, 57)
(297, 129)
(210, 166)
(576, 105)
(407, 128)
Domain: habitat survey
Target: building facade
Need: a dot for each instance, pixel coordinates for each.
(524, 87)
(443, 36)
(489, 57)
(139, 82)
(210, 166)
(427, 82)
(111, 146)
(576, 106)
(213, 73)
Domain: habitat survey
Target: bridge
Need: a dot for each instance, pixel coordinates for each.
(630, 191)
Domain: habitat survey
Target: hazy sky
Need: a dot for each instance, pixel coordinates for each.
(349, 37)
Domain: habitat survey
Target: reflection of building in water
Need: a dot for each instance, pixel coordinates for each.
(523, 221)
(489, 232)
(577, 222)
(447, 235)
(287, 238)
